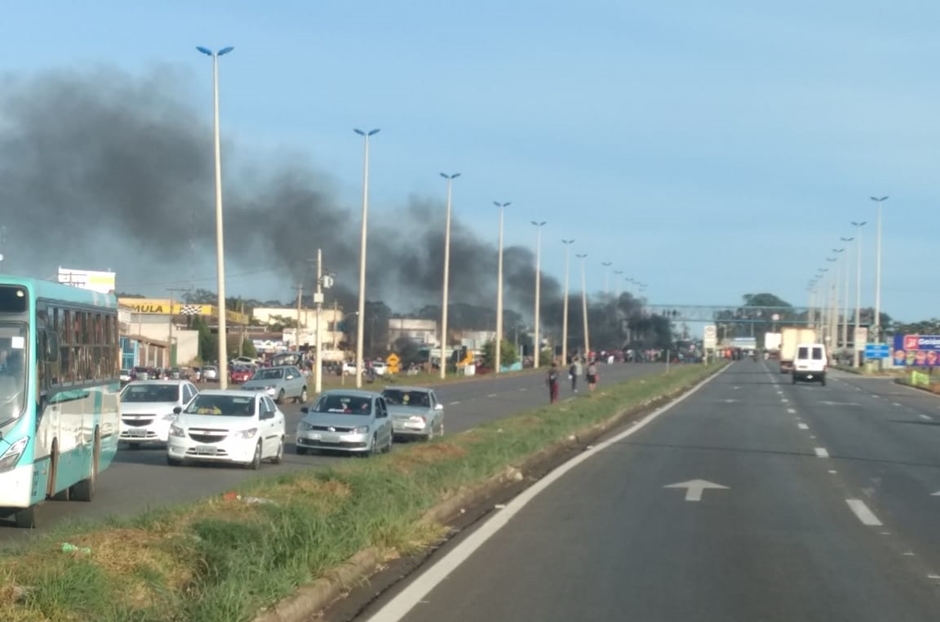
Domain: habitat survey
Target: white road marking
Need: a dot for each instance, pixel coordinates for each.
(875, 396)
(909, 554)
(821, 452)
(784, 400)
(802, 426)
(926, 417)
(832, 472)
(896, 404)
(812, 438)
(861, 511)
(491, 395)
(399, 607)
(933, 576)
(453, 403)
(791, 411)
(523, 389)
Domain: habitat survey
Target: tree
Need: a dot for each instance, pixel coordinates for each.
(208, 342)
(507, 354)
(248, 348)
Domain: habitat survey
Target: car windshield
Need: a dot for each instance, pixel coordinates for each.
(344, 405)
(268, 374)
(221, 405)
(398, 397)
(12, 370)
(150, 393)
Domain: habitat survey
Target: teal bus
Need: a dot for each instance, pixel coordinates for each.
(59, 393)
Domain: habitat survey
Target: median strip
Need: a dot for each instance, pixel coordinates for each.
(228, 559)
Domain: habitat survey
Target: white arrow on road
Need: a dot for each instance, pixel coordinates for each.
(695, 487)
(935, 494)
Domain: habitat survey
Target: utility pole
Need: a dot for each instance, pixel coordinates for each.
(300, 298)
(318, 342)
(169, 342)
(335, 321)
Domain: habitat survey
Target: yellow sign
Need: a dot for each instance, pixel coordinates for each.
(161, 306)
(394, 363)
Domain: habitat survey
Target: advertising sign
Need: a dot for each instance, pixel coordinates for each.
(916, 350)
(101, 282)
(710, 337)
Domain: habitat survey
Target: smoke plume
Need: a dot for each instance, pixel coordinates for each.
(100, 169)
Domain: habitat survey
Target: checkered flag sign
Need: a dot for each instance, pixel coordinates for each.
(190, 310)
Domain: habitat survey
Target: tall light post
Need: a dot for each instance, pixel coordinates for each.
(858, 291)
(584, 306)
(538, 289)
(607, 265)
(845, 299)
(360, 324)
(564, 304)
(827, 299)
(834, 323)
(219, 229)
(877, 318)
(450, 186)
(499, 290)
(820, 278)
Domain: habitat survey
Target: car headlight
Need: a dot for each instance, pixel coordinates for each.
(418, 418)
(177, 431)
(247, 434)
(302, 426)
(13, 454)
(363, 429)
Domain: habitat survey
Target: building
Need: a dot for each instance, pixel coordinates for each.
(423, 332)
(331, 333)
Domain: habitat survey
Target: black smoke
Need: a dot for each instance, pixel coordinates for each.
(101, 169)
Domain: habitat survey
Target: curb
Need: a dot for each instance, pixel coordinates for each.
(901, 382)
(308, 600)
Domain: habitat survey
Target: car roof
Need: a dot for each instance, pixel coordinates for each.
(157, 382)
(352, 393)
(405, 387)
(232, 392)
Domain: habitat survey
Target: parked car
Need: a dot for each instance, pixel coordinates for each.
(415, 412)
(280, 383)
(210, 374)
(240, 427)
(350, 421)
(147, 409)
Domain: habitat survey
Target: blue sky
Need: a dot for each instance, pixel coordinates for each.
(710, 149)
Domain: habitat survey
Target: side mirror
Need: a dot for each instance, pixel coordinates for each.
(305, 410)
(438, 406)
(177, 410)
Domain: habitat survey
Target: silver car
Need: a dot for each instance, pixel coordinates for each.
(147, 409)
(415, 412)
(280, 383)
(350, 421)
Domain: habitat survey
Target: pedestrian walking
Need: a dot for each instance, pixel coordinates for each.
(592, 376)
(552, 381)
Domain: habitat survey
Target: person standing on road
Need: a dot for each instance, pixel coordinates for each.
(592, 375)
(574, 373)
(552, 381)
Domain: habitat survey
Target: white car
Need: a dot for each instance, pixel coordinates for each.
(147, 409)
(241, 427)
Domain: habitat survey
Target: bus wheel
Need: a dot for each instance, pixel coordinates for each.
(85, 489)
(25, 518)
(62, 495)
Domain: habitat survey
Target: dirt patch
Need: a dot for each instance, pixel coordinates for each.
(423, 455)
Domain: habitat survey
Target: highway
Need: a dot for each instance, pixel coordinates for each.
(140, 479)
(753, 499)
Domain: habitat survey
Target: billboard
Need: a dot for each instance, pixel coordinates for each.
(101, 282)
(916, 350)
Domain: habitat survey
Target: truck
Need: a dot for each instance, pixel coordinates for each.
(772, 344)
(790, 337)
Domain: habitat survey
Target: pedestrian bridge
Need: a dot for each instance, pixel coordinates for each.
(737, 314)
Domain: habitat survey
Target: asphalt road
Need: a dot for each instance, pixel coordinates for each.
(827, 514)
(140, 480)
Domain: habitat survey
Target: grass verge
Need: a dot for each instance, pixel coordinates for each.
(224, 559)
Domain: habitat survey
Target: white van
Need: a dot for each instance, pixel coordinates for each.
(810, 363)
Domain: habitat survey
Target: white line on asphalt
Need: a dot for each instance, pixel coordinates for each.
(863, 513)
(886, 533)
(399, 607)
(896, 404)
(491, 395)
(831, 472)
(909, 554)
(875, 396)
(926, 417)
(523, 389)
(784, 400)
(802, 426)
(821, 452)
(453, 403)
(812, 438)
(933, 576)
(791, 411)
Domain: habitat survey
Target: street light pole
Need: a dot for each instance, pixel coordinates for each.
(361, 314)
(877, 318)
(219, 229)
(564, 304)
(845, 299)
(450, 183)
(858, 291)
(317, 340)
(538, 289)
(584, 306)
(834, 323)
(499, 291)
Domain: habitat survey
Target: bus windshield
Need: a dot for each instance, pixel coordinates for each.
(12, 370)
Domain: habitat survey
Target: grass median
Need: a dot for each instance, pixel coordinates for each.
(225, 559)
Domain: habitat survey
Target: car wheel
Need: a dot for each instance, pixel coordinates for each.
(255, 463)
(822, 381)
(279, 456)
(388, 446)
(25, 518)
(85, 489)
(303, 395)
(280, 397)
(440, 429)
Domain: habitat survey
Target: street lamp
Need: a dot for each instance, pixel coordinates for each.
(584, 306)
(538, 288)
(879, 201)
(834, 318)
(564, 312)
(845, 300)
(362, 252)
(858, 291)
(499, 290)
(450, 183)
(219, 233)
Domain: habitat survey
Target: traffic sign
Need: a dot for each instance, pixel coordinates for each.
(710, 337)
(877, 351)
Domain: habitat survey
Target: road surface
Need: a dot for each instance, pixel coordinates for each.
(140, 480)
(753, 499)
